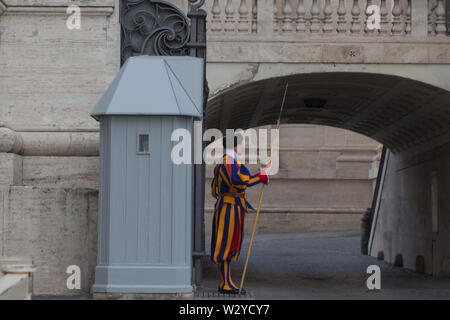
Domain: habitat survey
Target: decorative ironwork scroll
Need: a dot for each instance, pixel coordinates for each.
(156, 27)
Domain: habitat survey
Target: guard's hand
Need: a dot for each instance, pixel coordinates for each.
(268, 167)
(263, 177)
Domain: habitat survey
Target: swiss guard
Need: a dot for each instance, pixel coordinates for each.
(231, 179)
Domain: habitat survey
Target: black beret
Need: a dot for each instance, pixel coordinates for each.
(235, 139)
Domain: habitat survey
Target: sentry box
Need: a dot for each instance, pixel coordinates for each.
(145, 199)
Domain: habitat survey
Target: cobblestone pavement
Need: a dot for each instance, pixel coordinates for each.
(322, 265)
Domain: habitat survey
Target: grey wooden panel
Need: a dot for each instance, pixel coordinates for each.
(166, 191)
(107, 191)
(102, 227)
(179, 203)
(101, 196)
(103, 219)
(131, 190)
(189, 199)
(155, 190)
(143, 182)
(117, 192)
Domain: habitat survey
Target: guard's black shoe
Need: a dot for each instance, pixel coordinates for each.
(232, 291)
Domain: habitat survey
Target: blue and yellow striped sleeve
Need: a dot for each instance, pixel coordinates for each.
(241, 177)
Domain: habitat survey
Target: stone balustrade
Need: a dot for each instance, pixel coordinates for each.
(232, 16)
(278, 18)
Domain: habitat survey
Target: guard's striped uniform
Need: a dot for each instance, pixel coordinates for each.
(230, 176)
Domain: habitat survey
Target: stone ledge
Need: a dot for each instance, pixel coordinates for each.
(49, 143)
(143, 296)
(58, 7)
(399, 52)
(327, 39)
(57, 10)
(61, 3)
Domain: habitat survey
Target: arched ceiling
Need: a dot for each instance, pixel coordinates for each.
(398, 112)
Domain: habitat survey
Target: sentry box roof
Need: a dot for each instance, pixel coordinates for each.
(155, 85)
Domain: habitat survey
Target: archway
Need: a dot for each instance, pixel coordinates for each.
(398, 112)
(409, 117)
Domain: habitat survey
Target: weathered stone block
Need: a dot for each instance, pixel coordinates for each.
(10, 169)
(51, 75)
(57, 228)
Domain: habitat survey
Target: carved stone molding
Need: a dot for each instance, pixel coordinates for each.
(54, 9)
(60, 143)
(10, 141)
(46, 143)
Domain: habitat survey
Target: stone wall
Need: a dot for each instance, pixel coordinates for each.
(50, 75)
(50, 78)
(325, 182)
(413, 225)
(55, 226)
(48, 211)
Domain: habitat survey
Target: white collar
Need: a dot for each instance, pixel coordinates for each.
(231, 153)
